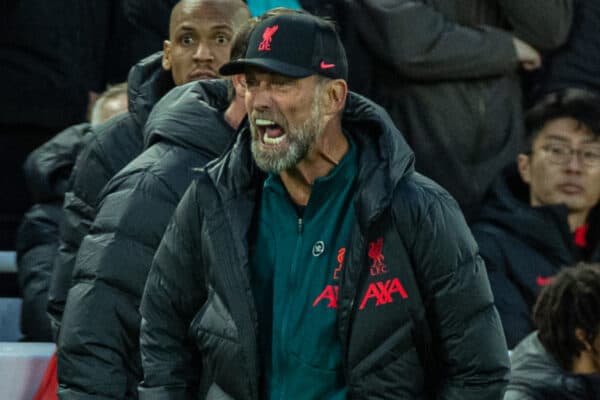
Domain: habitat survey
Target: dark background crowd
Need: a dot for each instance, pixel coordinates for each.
(471, 85)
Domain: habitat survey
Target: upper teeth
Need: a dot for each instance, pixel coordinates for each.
(264, 122)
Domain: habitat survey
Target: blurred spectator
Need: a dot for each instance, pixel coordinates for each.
(48, 64)
(47, 171)
(98, 353)
(112, 102)
(54, 57)
(562, 359)
(543, 213)
(447, 71)
(575, 66)
(186, 57)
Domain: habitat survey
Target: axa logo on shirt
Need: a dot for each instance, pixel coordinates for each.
(378, 293)
(267, 36)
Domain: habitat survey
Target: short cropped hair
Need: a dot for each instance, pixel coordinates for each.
(111, 92)
(585, 110)
(570, 301)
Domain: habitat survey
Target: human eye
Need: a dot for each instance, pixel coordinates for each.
(186, 40)
(591, 155)
(222, 38)
(251, 82)
(558, 149)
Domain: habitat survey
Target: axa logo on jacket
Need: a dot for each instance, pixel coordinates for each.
(381, 291)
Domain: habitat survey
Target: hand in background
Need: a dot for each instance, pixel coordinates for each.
(529, 58)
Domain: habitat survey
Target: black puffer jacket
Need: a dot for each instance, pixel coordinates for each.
(47, 171)
(522, 247)
(114, 145)
(446, 71)
(99, 351)
(199, 328)
(535, 375)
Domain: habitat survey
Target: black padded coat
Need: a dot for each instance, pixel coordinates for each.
(199, 330)
(98, 348)
(523, 247)
(47, 171)
(114, 145)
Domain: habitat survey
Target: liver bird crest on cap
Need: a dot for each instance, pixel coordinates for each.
(267, 36)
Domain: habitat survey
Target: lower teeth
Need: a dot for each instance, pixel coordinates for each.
(269, 140)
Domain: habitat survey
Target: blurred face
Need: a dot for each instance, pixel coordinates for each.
(285, 118)
(199, 41)
(588, 360)
(557, 176)
(113, 106)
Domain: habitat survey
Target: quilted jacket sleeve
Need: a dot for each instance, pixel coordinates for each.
(173, 294)
(98, 343)
(469, 345)
(544, 27)
(37, 240)
(419, 42)
(113, 145)
(512, 307)
(87, 179)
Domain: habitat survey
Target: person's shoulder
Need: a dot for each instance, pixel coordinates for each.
(167, 164)
(417, 195)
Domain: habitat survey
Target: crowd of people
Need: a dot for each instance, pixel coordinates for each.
(289, 203)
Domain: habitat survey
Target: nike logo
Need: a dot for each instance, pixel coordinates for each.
(326, 66)
(542, 281)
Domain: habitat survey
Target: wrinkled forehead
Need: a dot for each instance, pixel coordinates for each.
(263, 74)
(207, 15)
(567, 130)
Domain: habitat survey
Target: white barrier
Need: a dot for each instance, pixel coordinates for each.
(22, 366)
(10, 318)
(8, 261)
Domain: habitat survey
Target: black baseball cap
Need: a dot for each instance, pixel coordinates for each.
(296, 45)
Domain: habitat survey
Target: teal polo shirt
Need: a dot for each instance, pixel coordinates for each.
(295, 273)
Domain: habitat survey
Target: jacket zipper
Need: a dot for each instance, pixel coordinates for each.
(290, 280)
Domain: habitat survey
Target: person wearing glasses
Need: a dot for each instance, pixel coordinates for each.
(542, 213)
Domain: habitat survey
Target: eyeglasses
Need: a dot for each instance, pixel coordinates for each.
(562, 154)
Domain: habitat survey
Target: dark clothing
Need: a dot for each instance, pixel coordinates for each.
(114, 145)
(47, 172)
(535, 375)
(577, 63)
(523, 247)
(431, 310)
(446, 71)
(294, 277)
(47, 169)
(49, 60)
(98, 352)
(151, 16)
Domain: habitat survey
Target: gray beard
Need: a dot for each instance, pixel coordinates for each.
(300, 141)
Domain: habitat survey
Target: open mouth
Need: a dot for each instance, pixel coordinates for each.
(270, 132)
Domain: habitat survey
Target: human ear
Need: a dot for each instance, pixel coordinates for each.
(524, 165)
(335, 93)
(582, 338)
(166, 59)
(239, 83)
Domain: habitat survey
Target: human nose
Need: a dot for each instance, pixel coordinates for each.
(203, 52)
(575, 162)
(261, 96)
